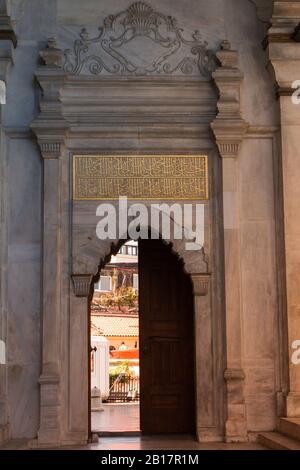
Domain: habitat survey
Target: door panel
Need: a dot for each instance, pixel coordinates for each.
(166, 341)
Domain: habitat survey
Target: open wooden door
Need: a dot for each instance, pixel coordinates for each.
(166, 342)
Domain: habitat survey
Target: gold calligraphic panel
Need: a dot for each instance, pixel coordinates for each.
(161, 177)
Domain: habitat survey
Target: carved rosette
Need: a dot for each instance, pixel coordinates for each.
(170, 52)
(82, 284)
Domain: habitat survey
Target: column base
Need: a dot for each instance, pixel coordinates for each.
(236, 431)
(4, 434)
(293, 405)
(72, 440)
(209, 435)
(50, 411)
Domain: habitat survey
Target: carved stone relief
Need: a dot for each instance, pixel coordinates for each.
(117, 46)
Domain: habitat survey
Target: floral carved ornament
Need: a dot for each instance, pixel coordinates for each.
(116, 49)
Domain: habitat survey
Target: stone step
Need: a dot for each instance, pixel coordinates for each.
(277, 441)
(290, 427)
(118, 433)
(3, 434)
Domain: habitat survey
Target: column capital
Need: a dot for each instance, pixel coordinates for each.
(82, 284)
(229, 127)
(201, 283)
(51, 148)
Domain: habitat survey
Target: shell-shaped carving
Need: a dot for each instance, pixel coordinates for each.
(140, 15)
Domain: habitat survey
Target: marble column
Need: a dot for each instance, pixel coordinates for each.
(283, 51)
(229, 129)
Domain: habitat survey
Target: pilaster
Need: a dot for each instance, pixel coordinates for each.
(229, 129)
(50, 129)
(8, 42)
(79, 355)
(283, 49)
(206, 423)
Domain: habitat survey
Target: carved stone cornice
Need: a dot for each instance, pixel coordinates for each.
(50, 127)
(8, 41)
(284, 23)
(229, 127)
(7, 32)
(285, 61)
(285, 15)
(201, 284)
(82, 284)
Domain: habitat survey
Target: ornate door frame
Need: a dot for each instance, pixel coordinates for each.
(69, 265)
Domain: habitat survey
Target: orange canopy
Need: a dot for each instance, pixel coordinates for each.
(125, 354)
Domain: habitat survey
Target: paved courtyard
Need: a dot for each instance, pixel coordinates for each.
(117, 418)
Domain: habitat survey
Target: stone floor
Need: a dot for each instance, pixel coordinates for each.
(123, 420)
(147, 443)
(117, 418)
(165, 443)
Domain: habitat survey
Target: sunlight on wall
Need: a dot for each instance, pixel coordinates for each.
(2, 92)
(2, 352)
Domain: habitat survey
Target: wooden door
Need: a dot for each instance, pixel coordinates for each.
(166, 342)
